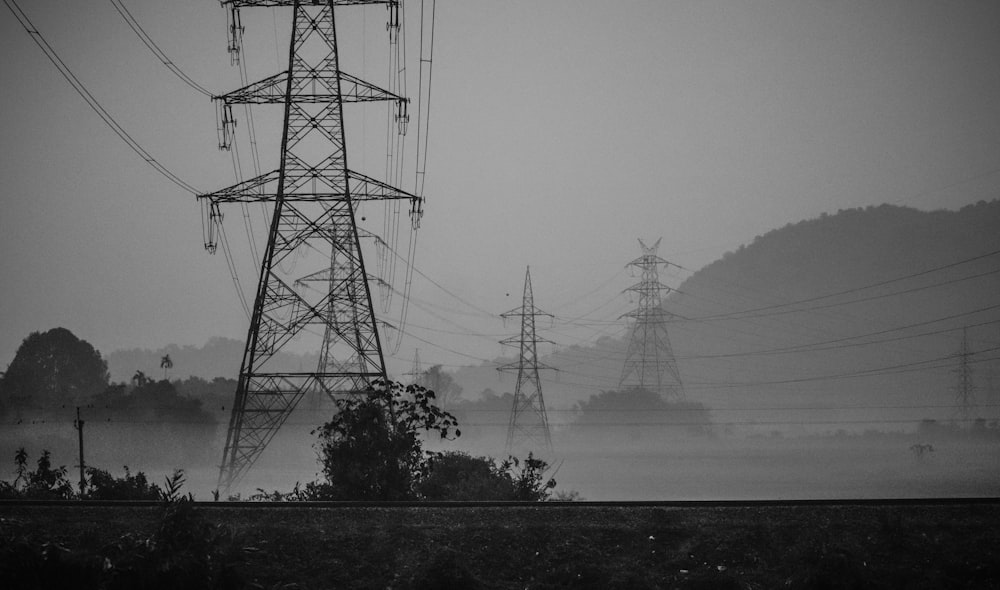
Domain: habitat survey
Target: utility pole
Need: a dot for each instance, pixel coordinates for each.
(312, 282)
(529, 424)
(79, 430)
(649, 359)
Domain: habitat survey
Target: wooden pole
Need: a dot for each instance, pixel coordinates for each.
(79, 430)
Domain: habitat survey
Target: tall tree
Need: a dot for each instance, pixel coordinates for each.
(166, 364)
(52, 369)
(442, 384)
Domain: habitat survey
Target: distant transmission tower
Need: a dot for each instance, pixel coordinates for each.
(649, 360)
(416, 373)
(312, 284)
(529, 425)
(965, 388)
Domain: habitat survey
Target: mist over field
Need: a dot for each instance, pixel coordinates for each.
(816, 185)
(790, 392)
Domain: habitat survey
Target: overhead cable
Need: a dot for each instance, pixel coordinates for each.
(741, 314)
(148, 42)
(53, 57)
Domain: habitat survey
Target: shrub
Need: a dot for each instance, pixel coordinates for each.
(459, 476)
(372, 448)
(44, 483)
(101, 485)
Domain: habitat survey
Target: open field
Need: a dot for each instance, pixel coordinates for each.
(538, 546)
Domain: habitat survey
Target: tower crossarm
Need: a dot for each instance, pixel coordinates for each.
(318, 87)
(263, 188)
(647, 287)
(515, 367)
(516, 341)
(273, 3)
(518, 312)
(647, 260)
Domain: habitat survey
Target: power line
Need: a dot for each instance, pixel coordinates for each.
(92, 102)
(824, 346)
(874, 297)
(741, 314)
(915, 366)
(148, 42)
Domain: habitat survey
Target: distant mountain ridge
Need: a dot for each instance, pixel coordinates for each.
(746, 348)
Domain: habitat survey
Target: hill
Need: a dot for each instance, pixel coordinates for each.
(850, 320)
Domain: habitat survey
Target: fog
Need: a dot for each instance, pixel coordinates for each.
(562, 132)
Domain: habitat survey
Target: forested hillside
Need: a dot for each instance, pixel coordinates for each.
(851, 320)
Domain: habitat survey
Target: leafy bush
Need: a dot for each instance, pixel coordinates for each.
(101, 485)
(44, 483)
(48, 483)
(459, 476)
(372, 448)
(529, 480)
(313, 491)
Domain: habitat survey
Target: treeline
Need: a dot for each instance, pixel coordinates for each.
(55, 370)
(56, 379)
(620, 417)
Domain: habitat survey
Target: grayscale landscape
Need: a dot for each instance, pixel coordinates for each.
(392, 251)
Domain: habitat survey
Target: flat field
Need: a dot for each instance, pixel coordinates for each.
(556, 545)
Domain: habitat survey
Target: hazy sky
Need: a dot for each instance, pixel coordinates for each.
(560, 132)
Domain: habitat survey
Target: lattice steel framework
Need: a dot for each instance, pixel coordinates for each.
(965, 387)
(312, 277)
(649, 360)
(529, 425)
(416, 373)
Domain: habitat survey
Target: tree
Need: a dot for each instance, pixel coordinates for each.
(443, 385)
(139, 379)
(166, 364)
(639, 412)
(486, 417)
(52, 369)
(372, 448)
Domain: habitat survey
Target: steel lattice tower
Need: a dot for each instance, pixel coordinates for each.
(416, 373)
(965, 387)
(529, 425)
(649, 360)
(312, 277)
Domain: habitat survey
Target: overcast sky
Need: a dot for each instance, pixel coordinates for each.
(560, 132)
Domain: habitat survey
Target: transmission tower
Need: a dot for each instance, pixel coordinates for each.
(649, 359)
(965, 388)
(529, 425)
(312, 283)
(416, 373)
